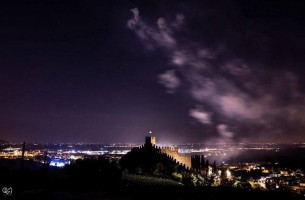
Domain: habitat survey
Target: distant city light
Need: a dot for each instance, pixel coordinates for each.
(58, 163)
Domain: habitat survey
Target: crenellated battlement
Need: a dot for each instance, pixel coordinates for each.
(188, 162)
(170, 152)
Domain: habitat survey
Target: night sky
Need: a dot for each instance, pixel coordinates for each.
(189, 71)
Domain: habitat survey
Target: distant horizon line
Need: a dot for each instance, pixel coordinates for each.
(160, 144)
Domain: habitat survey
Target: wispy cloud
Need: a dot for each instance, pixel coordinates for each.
(201, 116)
(170, 80)
(149, 35)
(237, 91)
(223, 131)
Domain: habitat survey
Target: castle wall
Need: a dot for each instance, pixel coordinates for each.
(188, 162)
(173, 152)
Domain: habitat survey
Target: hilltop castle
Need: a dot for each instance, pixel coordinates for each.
(188, 162)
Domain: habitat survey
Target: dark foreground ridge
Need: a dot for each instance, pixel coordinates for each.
(101, 179)
(98, 179)
(153, 193)
(81, 190)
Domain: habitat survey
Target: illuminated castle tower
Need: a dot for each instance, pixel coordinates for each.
(150, 141)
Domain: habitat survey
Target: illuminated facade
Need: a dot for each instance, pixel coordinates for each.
(149, 140)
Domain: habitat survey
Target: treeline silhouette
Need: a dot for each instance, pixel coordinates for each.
(104, 171)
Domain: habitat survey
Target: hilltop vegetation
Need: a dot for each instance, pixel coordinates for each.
(138, 180)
